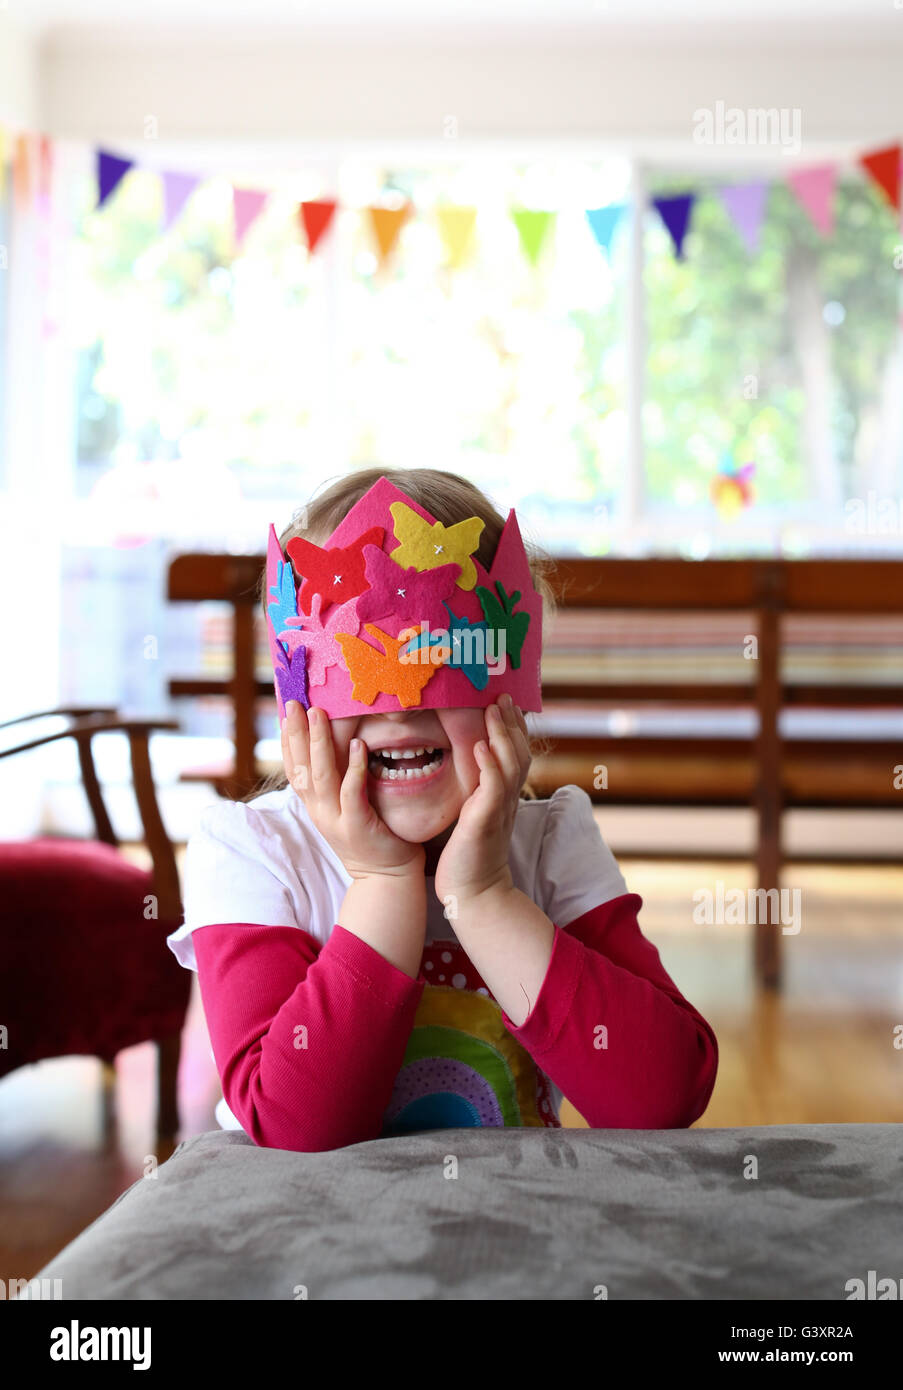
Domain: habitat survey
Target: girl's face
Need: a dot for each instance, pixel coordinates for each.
(416, 808)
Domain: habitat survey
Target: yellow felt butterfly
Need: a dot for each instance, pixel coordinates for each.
(426, 545)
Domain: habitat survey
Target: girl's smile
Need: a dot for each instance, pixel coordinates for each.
(407, 767)
(420, 765)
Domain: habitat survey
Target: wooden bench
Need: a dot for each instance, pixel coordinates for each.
(766, 771)
(761, 770)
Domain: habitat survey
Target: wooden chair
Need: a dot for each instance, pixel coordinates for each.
(231, 579)
(86, 967)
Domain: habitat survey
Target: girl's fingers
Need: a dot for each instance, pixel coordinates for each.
(286, 756)
(501, 743)
(295, 746)
(490, 794)
(353, 791)
(520, 738)
(323, 774)
(514, 717)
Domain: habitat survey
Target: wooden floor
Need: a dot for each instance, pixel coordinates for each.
(822, 1051)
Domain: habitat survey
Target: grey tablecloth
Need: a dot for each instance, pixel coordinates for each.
(507, 1213)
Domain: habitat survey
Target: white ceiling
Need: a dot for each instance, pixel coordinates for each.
(768, 19)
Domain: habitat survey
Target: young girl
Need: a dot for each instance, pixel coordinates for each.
(400, 936)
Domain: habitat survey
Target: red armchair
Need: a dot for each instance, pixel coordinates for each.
(85, 966)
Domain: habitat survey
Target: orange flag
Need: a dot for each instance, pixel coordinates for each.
(883, 166)
(3, 147)
(21, 169)
(387, 224)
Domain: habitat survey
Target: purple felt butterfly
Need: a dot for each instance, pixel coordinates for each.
(408, 595)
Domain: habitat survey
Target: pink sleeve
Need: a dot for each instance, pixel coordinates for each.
(613, 1031)
(308, 1040)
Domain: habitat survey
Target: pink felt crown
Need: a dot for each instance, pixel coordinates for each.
(394, 612)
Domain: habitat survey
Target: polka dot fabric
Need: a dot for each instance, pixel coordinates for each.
(461, 1066)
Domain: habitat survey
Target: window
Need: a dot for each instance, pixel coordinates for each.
(789, 358)
(599, 394)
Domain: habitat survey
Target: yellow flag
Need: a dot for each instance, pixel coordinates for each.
(456, 226)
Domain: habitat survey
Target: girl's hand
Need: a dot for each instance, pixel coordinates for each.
(476, 855)
(339, 806)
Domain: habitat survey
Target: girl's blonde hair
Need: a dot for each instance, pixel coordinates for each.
(449, 498)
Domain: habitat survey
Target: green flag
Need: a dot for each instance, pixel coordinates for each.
(533, 229)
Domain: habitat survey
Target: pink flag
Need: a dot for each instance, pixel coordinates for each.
(177, 189)
(247, 204)
(815, 190)
(745, 203)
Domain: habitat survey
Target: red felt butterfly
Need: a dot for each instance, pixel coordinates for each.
(337, 573)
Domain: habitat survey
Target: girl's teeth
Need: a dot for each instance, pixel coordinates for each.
(384, 773)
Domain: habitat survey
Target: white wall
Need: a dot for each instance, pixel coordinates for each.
(18, 73)
(200, 87)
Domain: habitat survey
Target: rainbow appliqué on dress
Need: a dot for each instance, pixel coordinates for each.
(462, 1067)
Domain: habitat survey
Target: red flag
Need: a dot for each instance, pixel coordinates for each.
(884, 168)
(315, 219)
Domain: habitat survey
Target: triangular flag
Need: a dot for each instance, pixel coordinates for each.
(603, 222)
(315, 218)
(110, 171)
(675, 213)
(177, 189)
(387, 224)
(21, 169)
(45, 166)
(814, 188)
(247, 204)
(884, 168)
(456, 226)
(745, 203)
(533, 228)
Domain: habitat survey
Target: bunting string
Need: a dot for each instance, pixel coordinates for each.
(26, 161)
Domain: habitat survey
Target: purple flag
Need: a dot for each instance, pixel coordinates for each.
(745, 203)
(177, 189)
(603, 222)
(675, 213)
(110, 170)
